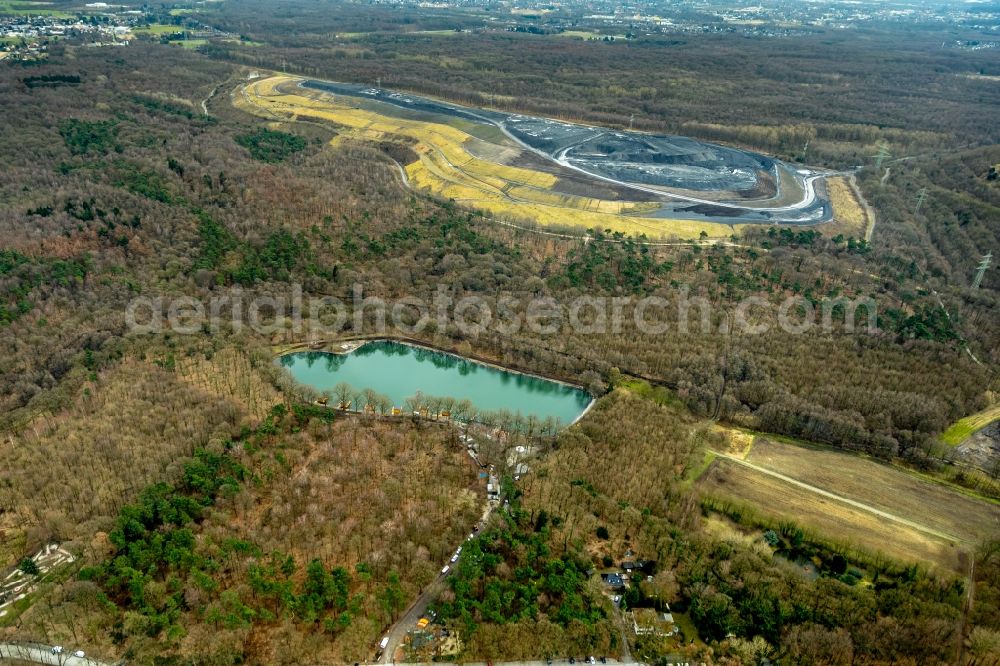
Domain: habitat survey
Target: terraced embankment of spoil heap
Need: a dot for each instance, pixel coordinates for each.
(555, 174)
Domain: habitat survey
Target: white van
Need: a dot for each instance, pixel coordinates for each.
(445, 569)
(385, 642)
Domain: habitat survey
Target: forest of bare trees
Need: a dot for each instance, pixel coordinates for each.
(834, 92)
(117, 186)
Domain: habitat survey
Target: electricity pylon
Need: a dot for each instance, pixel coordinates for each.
(981, 271)
(921, 196)
(881, 155)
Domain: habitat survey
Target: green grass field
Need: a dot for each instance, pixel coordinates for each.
(961, 429)
(585, 34)
(658, 394)
(157, 29)
(189, 43)
(31, 8)
(935, 509)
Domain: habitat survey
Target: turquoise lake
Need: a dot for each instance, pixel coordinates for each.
(399, 371)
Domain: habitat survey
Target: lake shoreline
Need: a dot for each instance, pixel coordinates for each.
(347, 346)
(358, 342)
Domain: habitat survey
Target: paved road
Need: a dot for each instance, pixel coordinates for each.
(417, 609)
(844, 500)
(409, 619)
(555, 662)
(42, 654)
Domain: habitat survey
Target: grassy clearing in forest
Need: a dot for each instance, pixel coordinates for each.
(780, 501)
(883, 487)
(960, 430)
(934, 506)
(31, 8)
(580, 34)
(454, 164)
(188, 43)
(849, 218)
(927, 502)
(157, 29)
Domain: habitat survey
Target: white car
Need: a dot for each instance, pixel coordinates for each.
(445, 569)
(56, 649)
(79, 654)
